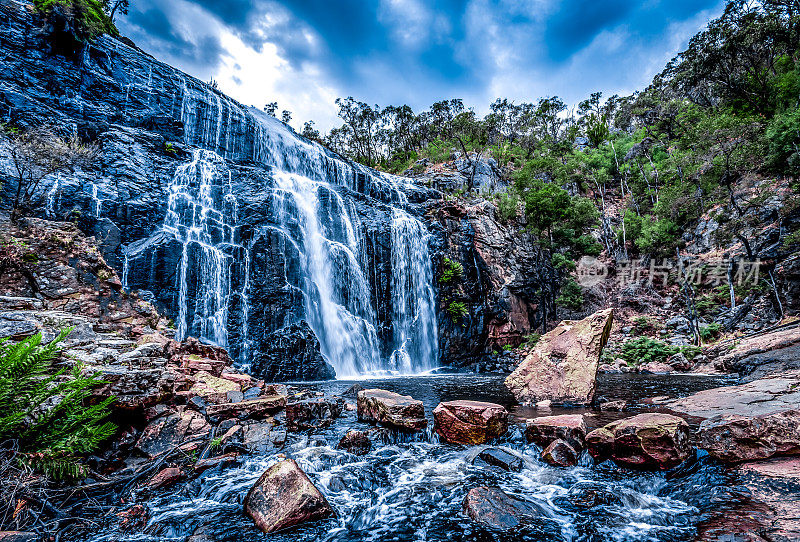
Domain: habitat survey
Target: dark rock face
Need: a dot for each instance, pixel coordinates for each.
(500, 458)
(243, 272)
(498, 511)
(284, 497)
(313, 413)
(506, 286)
(292, 353)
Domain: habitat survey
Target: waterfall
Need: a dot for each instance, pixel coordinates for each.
(413, 298)
(364, 282)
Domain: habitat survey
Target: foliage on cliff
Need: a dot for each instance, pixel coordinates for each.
(43, 412)
(725, 109)
(89, 18)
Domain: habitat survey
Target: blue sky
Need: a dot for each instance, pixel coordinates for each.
(305, 53)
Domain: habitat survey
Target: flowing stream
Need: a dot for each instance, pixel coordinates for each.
(412, 488)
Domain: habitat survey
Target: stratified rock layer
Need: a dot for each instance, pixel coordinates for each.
(747, 438)
(563, 366)
(391, 409)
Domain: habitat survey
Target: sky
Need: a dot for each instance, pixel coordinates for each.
(306, 53)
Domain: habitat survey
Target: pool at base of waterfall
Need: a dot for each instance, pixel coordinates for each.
(411, 488)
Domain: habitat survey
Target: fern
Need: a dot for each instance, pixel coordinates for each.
(44, 410)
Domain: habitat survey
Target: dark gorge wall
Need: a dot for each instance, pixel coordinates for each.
(240, 230)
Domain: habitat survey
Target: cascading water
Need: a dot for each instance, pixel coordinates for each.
(201, 216)
(372, 309)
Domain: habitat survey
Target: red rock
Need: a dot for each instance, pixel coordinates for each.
(283, 497)
(546, 429)
(313, 413)
(469, 422)
(736, 438)
(646, 441)
(134, 518)
(392, 409)
(560, 454)
(165, 477)
(563, 365)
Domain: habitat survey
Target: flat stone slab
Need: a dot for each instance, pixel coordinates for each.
(763, 396)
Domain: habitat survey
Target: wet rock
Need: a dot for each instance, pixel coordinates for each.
(18, 536)
(678, 362)
(391, 409)
(768, 395)
(763, 355)
(170, 431)
(570, 428)
(614, 406)
(220, 461)
(499, 511)
(469, 422)
(134, 518)
(165, 477)
(735, 438)
(258, 437)
(588, 494)
(655, 367)
(560, 454)
(261, 407)
(355, 442)
(646, 441)
(352, 391)
(500, 458)
(284, 497)
(313, 413)
(211, 388)
(563, 365)
(293, 354)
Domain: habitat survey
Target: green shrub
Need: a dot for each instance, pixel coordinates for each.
(531, 340)
(645, 349)
(710, 331)
(508, 206)
(457, 310)
(44, 410)
(571, 295)
(451, 271)
(88, 16)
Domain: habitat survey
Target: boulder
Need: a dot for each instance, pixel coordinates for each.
(563, 365)
(761, 355)
(655, 367)
(646, 441)
(293, 354)
(170, 431)
(391, 409)
(560, 454)
(469, 422)
(18, 536)
(355, 442)
(588, 494)
(284, 497)
(768, 395)
(498, 511)
(500, 458)
(570, 428)
(735, 438)
(313, 413)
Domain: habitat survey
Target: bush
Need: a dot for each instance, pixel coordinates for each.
(88, 16)
(451, 271)
(571, 295)
(644, 350)
(43, 410)
(710, 331)
(457, 310)
(508, 206)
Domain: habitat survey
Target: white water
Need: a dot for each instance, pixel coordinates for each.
(311, 209)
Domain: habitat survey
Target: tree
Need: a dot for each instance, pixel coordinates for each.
(286, 116)
(113, 6)
(309, 131)
(271, 109)
(36, 154)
